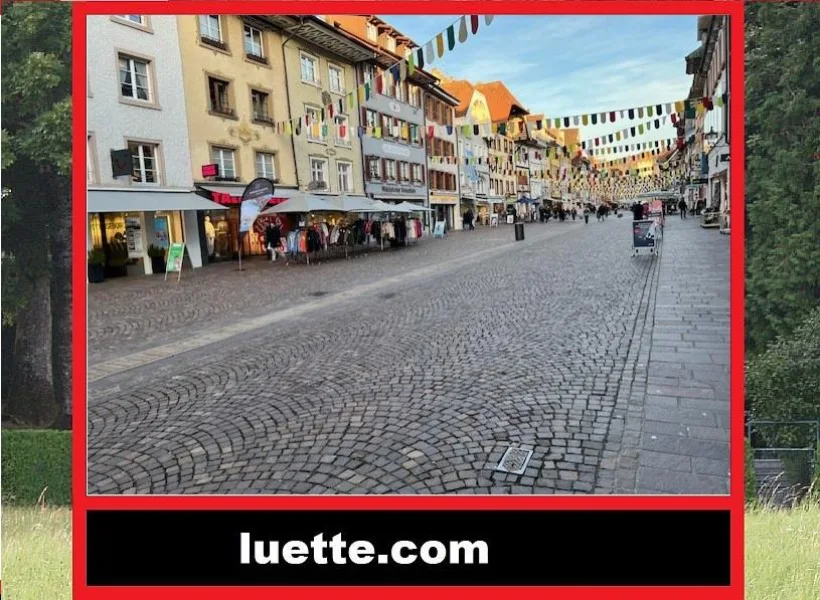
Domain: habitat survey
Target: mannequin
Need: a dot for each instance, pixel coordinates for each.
(210, 235)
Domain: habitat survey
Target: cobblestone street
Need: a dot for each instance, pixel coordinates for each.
(413, 370)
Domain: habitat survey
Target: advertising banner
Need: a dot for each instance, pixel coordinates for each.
(255, 197)
(643, 234)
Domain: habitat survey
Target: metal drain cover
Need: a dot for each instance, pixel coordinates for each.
(514, 461)
(318, 294)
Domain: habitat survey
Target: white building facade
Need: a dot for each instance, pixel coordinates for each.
(137, 125)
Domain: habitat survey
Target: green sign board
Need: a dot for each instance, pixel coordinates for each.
(175, 253)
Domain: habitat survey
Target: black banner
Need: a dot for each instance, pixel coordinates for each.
(416, 548)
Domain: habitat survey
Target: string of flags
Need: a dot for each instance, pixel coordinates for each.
(627, 133)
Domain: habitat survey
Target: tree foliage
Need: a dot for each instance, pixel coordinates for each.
(782, 168)
(36, 208)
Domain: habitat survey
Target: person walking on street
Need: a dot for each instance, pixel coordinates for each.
(637, 212)
(273, 238)
(682, 208)
(586, 215)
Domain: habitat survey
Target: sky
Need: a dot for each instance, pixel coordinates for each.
(563, 65)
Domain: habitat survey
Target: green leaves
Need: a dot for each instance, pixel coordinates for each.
(782, 170)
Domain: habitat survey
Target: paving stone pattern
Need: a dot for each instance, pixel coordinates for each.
(410, 371)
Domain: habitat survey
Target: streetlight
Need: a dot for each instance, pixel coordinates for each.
(712, 136)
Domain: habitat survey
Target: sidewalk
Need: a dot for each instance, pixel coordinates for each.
(679, 418)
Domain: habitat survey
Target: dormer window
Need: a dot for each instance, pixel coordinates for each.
(391, 43)
(372, 32)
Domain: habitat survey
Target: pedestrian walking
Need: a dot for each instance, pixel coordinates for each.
(637, 211)
(682, 208)
(273, 238)
(586, 215)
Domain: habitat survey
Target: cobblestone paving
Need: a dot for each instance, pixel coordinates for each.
(405, 372)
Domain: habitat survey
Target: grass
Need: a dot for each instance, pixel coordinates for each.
(36, 553)
(783, 553)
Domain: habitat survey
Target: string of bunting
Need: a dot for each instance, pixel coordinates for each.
(445, 41)
(627, 133)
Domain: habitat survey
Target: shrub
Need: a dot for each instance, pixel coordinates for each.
(782, 384)
(34, 460)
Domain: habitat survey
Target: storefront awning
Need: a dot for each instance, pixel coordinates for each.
(146, 200)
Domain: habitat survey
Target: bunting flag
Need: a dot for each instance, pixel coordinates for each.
(650, 110)
(616, 136)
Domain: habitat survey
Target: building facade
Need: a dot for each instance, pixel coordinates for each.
(392, 113)
(443, 168)
(140, 189)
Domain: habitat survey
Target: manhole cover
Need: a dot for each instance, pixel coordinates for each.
(514, 461)
(389, 295)
(318, 294)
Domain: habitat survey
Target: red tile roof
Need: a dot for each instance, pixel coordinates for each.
(500, 101)
(461, 89)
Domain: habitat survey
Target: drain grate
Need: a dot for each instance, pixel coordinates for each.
(514, 461)
(388, 295)
(318, 294)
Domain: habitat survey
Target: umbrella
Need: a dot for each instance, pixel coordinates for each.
(409, 206)
(303, 203)
(358, 204)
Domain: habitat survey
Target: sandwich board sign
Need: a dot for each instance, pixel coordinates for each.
(438, 231)
(176, 252)
(643, 235)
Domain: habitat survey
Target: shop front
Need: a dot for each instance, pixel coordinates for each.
(396, 193)
(444, 206)
(131, 226)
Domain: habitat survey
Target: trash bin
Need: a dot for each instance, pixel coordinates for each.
(519, 232)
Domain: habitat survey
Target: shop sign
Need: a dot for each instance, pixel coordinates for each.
(176, 252)
(210, 170)
(133, 236)
(121, 163)
(399, 189)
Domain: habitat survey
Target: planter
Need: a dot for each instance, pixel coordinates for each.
(96, 273)
(158, 264)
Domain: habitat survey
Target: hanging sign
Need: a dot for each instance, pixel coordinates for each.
(210, 170)
(255, 197)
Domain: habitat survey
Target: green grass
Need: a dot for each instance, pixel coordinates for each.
(783, 553)
(36, 553)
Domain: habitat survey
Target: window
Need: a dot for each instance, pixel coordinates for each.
(220, 102)
(401, 91)
(336, 77)
(310, 69)
(390, 169)
(224, 157)
(371, 118)
(144, 161)
(253, 42)
(210, 30)
(414, 96)
(405, 171)
(345, 176)
(403, 131)
(390, 42)
(265, 166)
(388, 85)
(138, 19)
(372, 32)
(260, 103)
(90, 168)
(415, 135)
(418, 173)
(134, 79)
(387, 126)
(318, 173)
(369, 73)
(314, 126)
(342, 130)
(374, 167)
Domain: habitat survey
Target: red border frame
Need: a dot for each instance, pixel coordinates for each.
(734, 502)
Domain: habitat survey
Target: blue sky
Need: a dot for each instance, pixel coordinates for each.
(567, 65)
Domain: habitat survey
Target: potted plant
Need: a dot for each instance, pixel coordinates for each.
(157, 256)
(96, 266)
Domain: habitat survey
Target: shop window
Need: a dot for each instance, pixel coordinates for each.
(135, 78)
(210, 31)
(318, 173)
(145, 163)
(225, 158)
(220, 96)
(342, 131)
(309, 69)
(266, 165)
(345, 170)
(254, 48)
(336, 79)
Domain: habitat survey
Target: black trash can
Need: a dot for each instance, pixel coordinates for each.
(519, 232)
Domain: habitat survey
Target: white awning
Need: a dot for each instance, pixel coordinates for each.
(146, 200)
